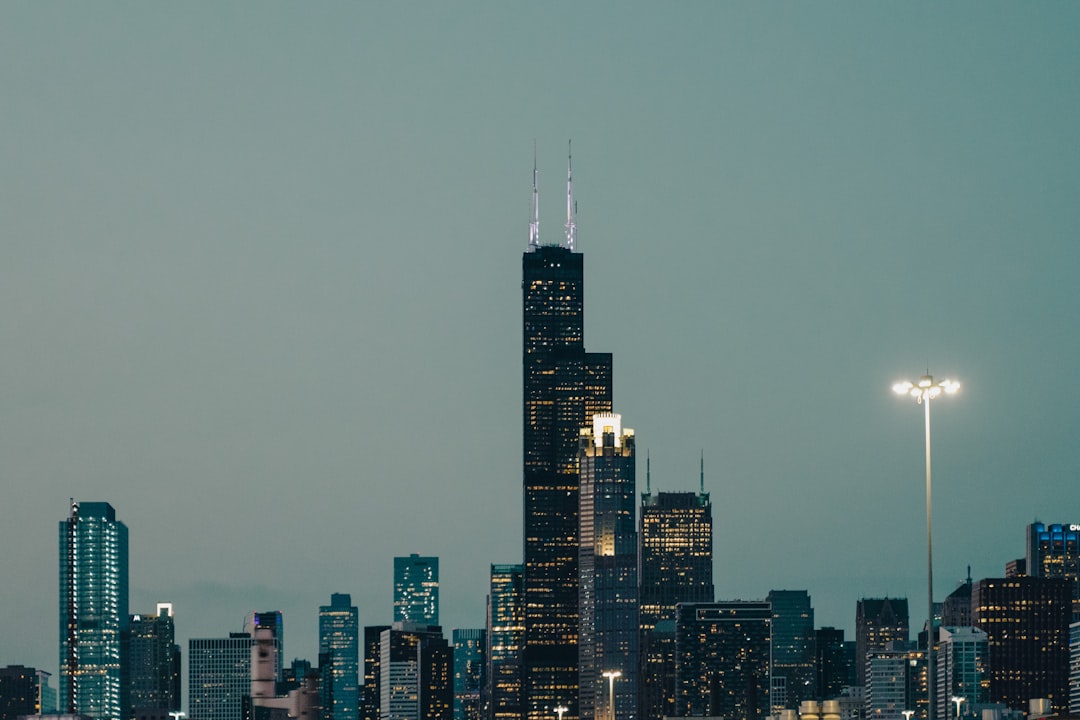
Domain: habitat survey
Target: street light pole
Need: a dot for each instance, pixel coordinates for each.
(923, 392)
(611, 675)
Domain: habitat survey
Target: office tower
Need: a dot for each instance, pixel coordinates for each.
(416, 589)
(878, 622)
(1026, 620)
(895, 682)
(956, 610)
(470, 647)
(21, 691)
(154, 664)
(505, 635)
(1053, 551)
(274, 621)
(961, 668)
(607, 566)
(293, 674)
(219, 676)
(722, 659)
(339, 638)
(416, 680)
(794, 673)
(93, 612)
(562, 388)
(835, 662)
(675, 561)
(372, 694)
(1074, 668)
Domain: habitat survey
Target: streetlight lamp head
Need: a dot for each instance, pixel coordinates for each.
(902, 388)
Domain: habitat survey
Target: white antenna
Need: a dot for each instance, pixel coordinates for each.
(571, 227)
(534, 224)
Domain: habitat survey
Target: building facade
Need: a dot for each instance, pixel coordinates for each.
(895, 682)
(371, 696)
(505, 634)
(607, 565)
(962, 658)
(878, 622)
(416, 674)
(470, 649)
(1053, 551)
(794, 673)
(339, 640)
(21, 692)
(219, 676)
(562, 388)
(416, 589)
(154, 664)
(835, 662)
(93, 612)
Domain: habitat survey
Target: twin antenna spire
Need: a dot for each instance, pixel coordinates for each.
(571, 206)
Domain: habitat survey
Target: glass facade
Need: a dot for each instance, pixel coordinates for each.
(339, 639)
(470, 647)
(506, 633)
(219, 677)
(93, 612)
(1053, 551)
(793, 653)
(416, 589)
(154, 663)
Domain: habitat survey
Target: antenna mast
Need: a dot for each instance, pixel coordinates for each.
(702, 471)
(534, 223)
(571, 227)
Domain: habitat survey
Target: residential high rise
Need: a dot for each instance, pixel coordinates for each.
(675, 562)
(372, 693)
(154, 664)
(470, 648)
(416, 589)
(962, 660)
(607, 566)
(219, 676)
(1053, 551)
(416, 674)
(505, 635)
(878, 622)
(722, 659)
(339, 638)
(562, 388)
(794, 673)
(93, 612)
(1026, 620)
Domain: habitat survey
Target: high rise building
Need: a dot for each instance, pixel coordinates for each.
(372, 693)
(154, 664)
(794, 673)
(1026, 620)
(722, 659)
(93, 612)
(416, 674)
(470, 647)
(416, 589)
(219, 676)
(21, 692)
(562, 387)
(835, 661)
(956, 610)
(961, 668)
(878, 622)
(1074, 668)
(274, 621)
(339, 638)
(607, 566)
(895, 682)
(675, 562)
(505, 636)
(1053, 551)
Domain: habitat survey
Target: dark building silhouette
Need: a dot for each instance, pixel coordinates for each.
(563, 387)
(154, 664)
(794, 674)
(20, 692)
(835, 662)
(956, 610)
(608, 594)
(675, 560)
(1026, 620)
(878, 622)
(93, 612)
(1053, 551)
(722, 659)
(370, 697)
(339, 639)
(505, 636)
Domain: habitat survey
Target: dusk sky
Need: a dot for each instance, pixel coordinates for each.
(261, 265)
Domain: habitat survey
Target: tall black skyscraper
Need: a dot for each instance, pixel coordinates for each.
(562, 387)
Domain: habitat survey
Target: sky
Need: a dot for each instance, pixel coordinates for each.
(260, 287)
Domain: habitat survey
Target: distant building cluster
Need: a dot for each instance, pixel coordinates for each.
(610, 615)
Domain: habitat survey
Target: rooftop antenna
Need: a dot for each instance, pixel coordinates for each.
(534, 223)
(648, 473)
(571, 209)
(703, 471)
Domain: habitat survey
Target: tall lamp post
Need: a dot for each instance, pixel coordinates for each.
(924, 391)
(611, 675)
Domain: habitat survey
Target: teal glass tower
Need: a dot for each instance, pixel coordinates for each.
(93, 612)
(416, 589)
(339, 637)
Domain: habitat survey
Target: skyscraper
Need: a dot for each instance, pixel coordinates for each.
(608, 592)
(722, 659)
(417, 678)
(470, 647)
(416, 589)
(835, 660)
(1053, 551)
(21, 690)
(154, 664)
(675, 561)
(962, 663)
(339, 637)
(274, 621)
(219, 676)
(793, 670)
(93, 612)
(878, 622)
(562, 388)
(372, 694)
(505, 633)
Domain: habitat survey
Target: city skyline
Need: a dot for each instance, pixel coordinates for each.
(237, 277)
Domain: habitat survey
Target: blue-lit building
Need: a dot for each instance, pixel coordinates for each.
(1053, 551)
(339, 639)
(470, 646)
(416, 589)
(93, 612)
